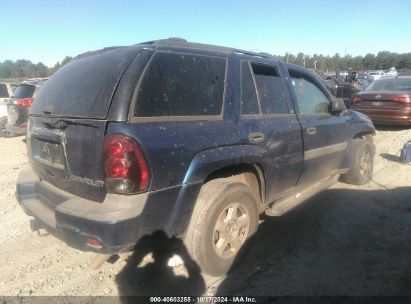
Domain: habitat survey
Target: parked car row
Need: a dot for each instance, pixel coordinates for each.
(340, 87)
(15, 105)
(382, 96)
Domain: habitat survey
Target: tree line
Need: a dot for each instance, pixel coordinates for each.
(23, 69)
(382, 61)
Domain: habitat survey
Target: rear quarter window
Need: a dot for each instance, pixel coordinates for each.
(181, 85)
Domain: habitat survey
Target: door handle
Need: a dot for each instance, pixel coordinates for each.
(311, 130)
(256, 137)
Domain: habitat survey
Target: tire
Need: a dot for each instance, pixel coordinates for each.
(361, 166)
(225, 216)
(3, 130)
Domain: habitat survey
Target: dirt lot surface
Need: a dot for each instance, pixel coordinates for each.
(347, 240)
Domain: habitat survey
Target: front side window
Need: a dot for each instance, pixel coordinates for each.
(310, 98)
(181, 85)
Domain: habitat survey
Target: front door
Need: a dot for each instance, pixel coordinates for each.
(324, 133)
(269, 124)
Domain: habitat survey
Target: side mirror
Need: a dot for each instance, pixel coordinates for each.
(338, 105)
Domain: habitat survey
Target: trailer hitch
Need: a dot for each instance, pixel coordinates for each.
(35, 225)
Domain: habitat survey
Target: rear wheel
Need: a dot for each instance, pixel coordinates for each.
(361, 163)
(3, 128)
(224, 218)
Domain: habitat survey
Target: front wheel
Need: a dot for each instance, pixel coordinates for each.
(361, 163)
(225, 216)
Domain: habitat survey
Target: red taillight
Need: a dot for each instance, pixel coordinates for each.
(117, 167)
(402, 99)
(125, 166)
(356, 99)
(25, 102)
(90, 242)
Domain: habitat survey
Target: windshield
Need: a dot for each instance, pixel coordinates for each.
(390, 84)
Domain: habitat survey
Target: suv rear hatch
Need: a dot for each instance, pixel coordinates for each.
(16, 113)
(68, 121)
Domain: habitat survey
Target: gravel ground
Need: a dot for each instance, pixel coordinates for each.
(347, 240)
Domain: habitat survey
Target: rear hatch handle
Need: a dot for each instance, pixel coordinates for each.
(62, 124)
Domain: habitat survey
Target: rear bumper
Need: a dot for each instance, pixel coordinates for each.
(118, 222)
(18, 130)
(387, 117)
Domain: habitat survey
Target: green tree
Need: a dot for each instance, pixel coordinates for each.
(6, 69)
(369, 62)
(66, 60)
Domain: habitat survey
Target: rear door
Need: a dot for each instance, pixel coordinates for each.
(325, 135)
(267, 120)
(68, 121)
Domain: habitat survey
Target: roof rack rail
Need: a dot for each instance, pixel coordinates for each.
(167, 41)
(177, 41)
(264, 54)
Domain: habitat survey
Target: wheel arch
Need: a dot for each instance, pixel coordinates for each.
(240, 172)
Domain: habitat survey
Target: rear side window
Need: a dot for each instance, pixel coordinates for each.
(24, 91)
(181, 85)
(270, 89)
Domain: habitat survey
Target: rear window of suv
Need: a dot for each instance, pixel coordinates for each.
(181, 85)
(84, 87)
(24, 91)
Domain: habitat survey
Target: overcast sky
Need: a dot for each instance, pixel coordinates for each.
(47, 31)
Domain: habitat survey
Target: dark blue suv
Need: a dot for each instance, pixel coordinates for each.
(193, 140)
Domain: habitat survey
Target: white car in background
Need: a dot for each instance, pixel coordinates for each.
(5, 93)
(375, 75)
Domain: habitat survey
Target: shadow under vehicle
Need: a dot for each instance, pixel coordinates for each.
(347, 244)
